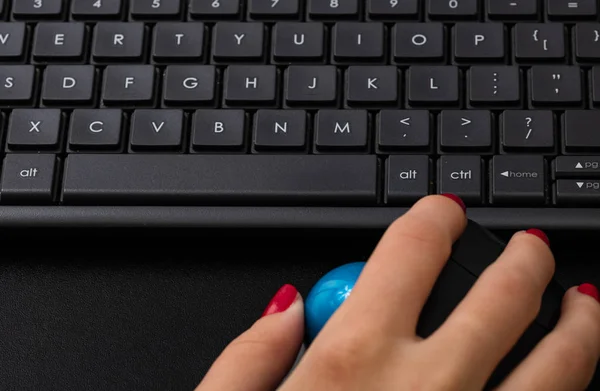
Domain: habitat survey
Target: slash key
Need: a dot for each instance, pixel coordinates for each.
(518, 180)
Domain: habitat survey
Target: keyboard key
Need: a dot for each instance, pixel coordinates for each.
(587, 41)
(118, 42)
(372, 85)
(298, 42)
(253, 85)
(16, 84)
(341, 129)
(238, 41)
(218, 129)
(393, 10)
(59, 41)
(453, 9)
(479, 41)
(494, 85)
(407, 179)
(279, 129)
(215, 9)
(155, 9)
(465, 130)
(189, 85)
(555, 85)
(96, 10)
(358, 42)
(577, 167)
(38, 9)
(461, 175)
(512, 10)
(595, 85)
(128, 85)
(68, 85)
(311, 85)
(527, 130)
(333, 9)
(418, 41)
(12, 41)
(156, 129)
(539, 41)
(28, 179)
(433, 85)
(579, 130)
(274, 9)
(176, 41)
(571, 9)
(95, 129)
(518, 180)
(34, 129)
(577, 192)
(206, 179)
(403, 129)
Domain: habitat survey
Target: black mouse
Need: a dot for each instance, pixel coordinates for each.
(472, 253)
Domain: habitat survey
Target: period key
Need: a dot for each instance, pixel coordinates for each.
(407, 179)
(461, 175)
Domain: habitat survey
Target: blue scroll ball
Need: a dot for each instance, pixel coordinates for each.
(328, 294)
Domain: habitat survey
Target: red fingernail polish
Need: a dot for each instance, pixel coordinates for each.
(590, 290)
(456, 199)
(282, 300)
(540, 234)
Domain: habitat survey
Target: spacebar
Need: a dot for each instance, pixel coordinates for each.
(136, 179)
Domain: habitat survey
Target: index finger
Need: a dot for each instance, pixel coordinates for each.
(404, 267)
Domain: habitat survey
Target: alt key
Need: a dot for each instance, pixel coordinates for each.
(28, 179)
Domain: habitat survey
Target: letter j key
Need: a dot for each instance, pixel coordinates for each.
(311, 85)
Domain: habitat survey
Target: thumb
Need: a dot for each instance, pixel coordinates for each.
(260, 358)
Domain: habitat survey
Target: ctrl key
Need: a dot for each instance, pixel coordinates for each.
(28, 179)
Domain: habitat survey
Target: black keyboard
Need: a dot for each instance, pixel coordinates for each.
(300, 113)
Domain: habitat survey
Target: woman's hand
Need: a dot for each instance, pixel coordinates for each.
(381, 350)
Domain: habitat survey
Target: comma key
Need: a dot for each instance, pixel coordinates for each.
(28, 179)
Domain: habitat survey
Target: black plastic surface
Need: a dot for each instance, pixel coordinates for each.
(566, 219)
(149, 310)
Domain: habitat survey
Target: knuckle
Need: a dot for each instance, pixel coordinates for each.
(264, 346)
(515, 283)
(516, 287)
(572, 354)
(426, 233)
(341, 358)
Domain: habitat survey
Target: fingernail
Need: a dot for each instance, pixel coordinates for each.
(456, 199)
(282, 300)
(590, 290)
(540, 234)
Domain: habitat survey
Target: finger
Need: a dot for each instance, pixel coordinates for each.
(260, 358)
(403, 269)
(500, 306)
(566, 359)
